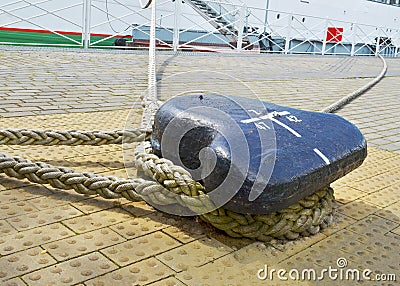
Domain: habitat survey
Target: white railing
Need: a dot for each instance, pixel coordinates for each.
(98, 23)
(292, 33)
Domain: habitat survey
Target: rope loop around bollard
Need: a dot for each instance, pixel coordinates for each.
(306, 217)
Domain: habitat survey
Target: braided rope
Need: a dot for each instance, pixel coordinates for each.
(306, 217)
(174, 186)
(70, 137)
(355, 94)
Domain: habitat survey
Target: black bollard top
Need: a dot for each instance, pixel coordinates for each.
(256, 157)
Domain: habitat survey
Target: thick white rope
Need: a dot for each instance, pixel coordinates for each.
(70, 137)
(350, 97)
(150, 103)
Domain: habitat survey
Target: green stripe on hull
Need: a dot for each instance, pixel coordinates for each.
(47, 39)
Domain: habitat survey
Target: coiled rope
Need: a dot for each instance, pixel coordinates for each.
(172, 184)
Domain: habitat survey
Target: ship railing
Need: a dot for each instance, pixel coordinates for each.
(189, 32)
(290, 33)
(126, 26)
(101, 23)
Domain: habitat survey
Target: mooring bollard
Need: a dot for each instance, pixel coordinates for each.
(250, 168)
(258, 157)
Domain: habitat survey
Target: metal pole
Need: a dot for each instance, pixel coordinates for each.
(87, 8)
(324, 40)
(177, 15)
(287, 40)
(378, 39)
(266, 15)
(242, 16)
(152, 96)
(353, 40)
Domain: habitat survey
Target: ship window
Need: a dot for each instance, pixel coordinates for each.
(303, 20)
(278, 16)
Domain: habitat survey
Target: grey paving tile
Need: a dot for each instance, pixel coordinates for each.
(17, 114)
(51, 111)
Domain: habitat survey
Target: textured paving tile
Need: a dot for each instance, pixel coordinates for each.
(384, 197)
(96, 163)
(237, 268)
(97, 220)
(72, 271)
(23, 262)
(186, 231)
(6, 228)
(373, 226)
(82, 244)
(396, 231)
(141, 273)
(295, 246)
(347, 194)
(43, 217)
(376, 183)
(57, 199)
(16, 209)
(33, 237)
(136, 227)
(357, 209)
(138, 208)
(391, 212)
(14, 282)
(94, 205)
(8, 184)
(95, 150)
(168, 282)
(140, 248)
(214, 275)
(340, 222)
(196, 253)
(22, 194)
(48, 153)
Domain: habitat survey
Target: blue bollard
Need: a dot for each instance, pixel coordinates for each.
(256, 156)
